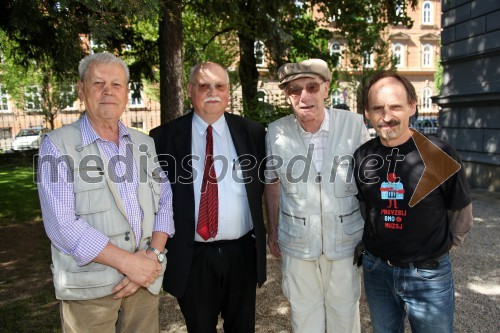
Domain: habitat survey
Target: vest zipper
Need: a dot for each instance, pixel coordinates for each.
(318, 180)
(345, 215)
(295, 217)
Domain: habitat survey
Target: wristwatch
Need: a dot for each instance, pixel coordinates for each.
(160, 255)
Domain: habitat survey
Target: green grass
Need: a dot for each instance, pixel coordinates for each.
(18, 195)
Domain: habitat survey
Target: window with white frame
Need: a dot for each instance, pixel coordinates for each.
(32, 99)
(427, 12)
(427, 59)
(258, 50)
(398, 54)
(5, 133)
(68, 96)
(336, 51)
(336, 16)
(426, 98)
(368, 59)
(399, 11)
(135, 94)
(262, 96)
(336, 97)
(4, 100)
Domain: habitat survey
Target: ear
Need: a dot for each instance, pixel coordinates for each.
(413, 108)
(81, 94)
(189, 87)
(327, 88)
(366, 114)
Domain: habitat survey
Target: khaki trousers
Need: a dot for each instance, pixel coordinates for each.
(323, 294)
(136, 313)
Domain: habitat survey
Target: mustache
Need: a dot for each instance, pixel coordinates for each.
(212, 99)
(392, 122)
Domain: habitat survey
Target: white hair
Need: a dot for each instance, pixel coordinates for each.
(100, 58)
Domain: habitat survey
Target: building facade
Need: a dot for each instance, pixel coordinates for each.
(470, 97)
(416, 49)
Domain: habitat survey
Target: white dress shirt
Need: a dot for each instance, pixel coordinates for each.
(234, 213)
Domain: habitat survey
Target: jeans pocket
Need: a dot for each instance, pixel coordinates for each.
(369, 263)
(443, 272)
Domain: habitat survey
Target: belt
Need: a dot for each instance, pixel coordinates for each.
(424, 264)
(224, 241)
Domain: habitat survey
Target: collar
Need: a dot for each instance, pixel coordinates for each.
(325, 125)
(89, 135)
(200, 126)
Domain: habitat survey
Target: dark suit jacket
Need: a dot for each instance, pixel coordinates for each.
(173, 144)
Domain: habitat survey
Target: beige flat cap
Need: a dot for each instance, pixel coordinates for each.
(307, 68)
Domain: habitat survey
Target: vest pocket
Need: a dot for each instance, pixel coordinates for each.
(293, 187)
(351, 225)
(91, 195)
(345, 186)
(154, 180)
(293, 233)
(89, 276)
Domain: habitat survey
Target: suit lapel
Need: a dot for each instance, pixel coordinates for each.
(238, 135)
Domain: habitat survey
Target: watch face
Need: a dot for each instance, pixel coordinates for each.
(161, 257)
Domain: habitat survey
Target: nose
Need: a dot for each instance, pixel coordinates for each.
(387, 113)
(107, 90)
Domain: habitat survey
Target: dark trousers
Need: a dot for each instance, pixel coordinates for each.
(223, 280)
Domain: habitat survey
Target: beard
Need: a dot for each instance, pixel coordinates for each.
(392, 132)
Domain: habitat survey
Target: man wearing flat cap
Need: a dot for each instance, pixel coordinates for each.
(314, 221)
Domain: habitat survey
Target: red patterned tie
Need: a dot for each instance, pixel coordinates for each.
(208, 215)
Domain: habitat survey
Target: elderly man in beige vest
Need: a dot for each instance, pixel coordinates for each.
(107, 209)
(314, 222)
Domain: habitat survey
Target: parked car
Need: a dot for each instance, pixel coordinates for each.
(29, 138)
(427, 125)
(371, 131)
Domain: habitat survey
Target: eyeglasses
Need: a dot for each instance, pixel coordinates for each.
(311, 88)
(204, 87)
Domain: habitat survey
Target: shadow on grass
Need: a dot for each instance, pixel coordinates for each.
(27, 302)
(18, 190)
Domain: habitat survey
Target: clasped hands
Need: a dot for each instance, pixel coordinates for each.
(142, 270)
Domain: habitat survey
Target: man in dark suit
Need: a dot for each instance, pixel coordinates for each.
(215, 163)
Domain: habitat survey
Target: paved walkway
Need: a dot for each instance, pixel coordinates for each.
(476, 271)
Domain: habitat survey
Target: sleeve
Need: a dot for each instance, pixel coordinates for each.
(164, 218)
(460, 222)
(69, 233)
(270, 174)
(457, 189)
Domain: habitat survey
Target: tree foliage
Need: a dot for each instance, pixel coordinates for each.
(159, 45)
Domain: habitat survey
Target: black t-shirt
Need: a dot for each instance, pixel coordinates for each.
(387, 178)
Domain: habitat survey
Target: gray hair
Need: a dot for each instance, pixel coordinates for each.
(196, 68)
(100, 58)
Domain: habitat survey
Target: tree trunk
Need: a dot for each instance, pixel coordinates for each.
(249, 76)
(170, 47)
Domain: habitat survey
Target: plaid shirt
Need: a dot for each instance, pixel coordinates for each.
(73, 235)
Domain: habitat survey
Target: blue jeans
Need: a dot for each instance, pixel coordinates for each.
(426, 296)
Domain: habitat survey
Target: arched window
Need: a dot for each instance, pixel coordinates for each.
(262, 96)
(427, 59)
(135, 94)
(427, 12)
(398, 54)
(258, 50)
(426, 98)
(336, 51)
